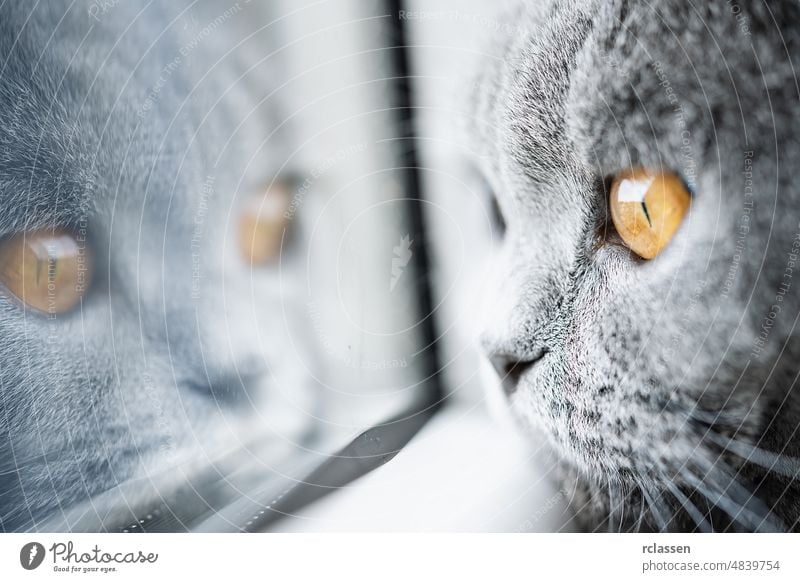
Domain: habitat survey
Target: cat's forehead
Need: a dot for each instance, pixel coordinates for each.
(593, 90)
(86, 134)
(43, 177)
(534, 113)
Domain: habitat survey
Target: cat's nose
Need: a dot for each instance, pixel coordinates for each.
(510, 368)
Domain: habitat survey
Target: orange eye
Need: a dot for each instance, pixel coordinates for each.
(48, 270)
(647, 208)
(261, 225)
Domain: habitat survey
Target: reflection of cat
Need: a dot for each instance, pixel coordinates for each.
(667, 386)
(126, 125)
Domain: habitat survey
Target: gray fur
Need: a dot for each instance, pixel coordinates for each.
(648, 363)
(143, 375)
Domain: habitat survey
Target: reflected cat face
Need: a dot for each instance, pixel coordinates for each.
(126, 134)
(665, 385)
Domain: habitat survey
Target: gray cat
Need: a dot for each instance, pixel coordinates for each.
(132, 134)
(667, 386)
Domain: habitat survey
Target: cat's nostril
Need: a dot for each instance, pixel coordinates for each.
(511, 368)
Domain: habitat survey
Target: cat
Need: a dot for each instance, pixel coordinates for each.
(140, 129)
(666, 387)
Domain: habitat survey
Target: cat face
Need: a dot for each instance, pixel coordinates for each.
(664, 384)
(116, 129)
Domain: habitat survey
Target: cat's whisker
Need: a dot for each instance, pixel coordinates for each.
(634, 524)
(617, 500)
(712, 418)
(652, 505)
(774, 462)
(572, 497)
(740, 494)
(691, 509)
(640, 519)
(599, 524)
(623, 501)
(613, 504)
(748, 514)
(607, 494)
(736, 512)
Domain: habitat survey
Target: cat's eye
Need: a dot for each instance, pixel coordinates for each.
(647, 207)
(48, 270)
(262, 224)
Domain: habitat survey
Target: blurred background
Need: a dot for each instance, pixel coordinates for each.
(466, 469)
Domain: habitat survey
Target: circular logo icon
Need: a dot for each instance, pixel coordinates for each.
(31, 555)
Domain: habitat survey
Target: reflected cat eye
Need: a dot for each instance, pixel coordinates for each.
(48, 270)
(647, 208)
(264, 218)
